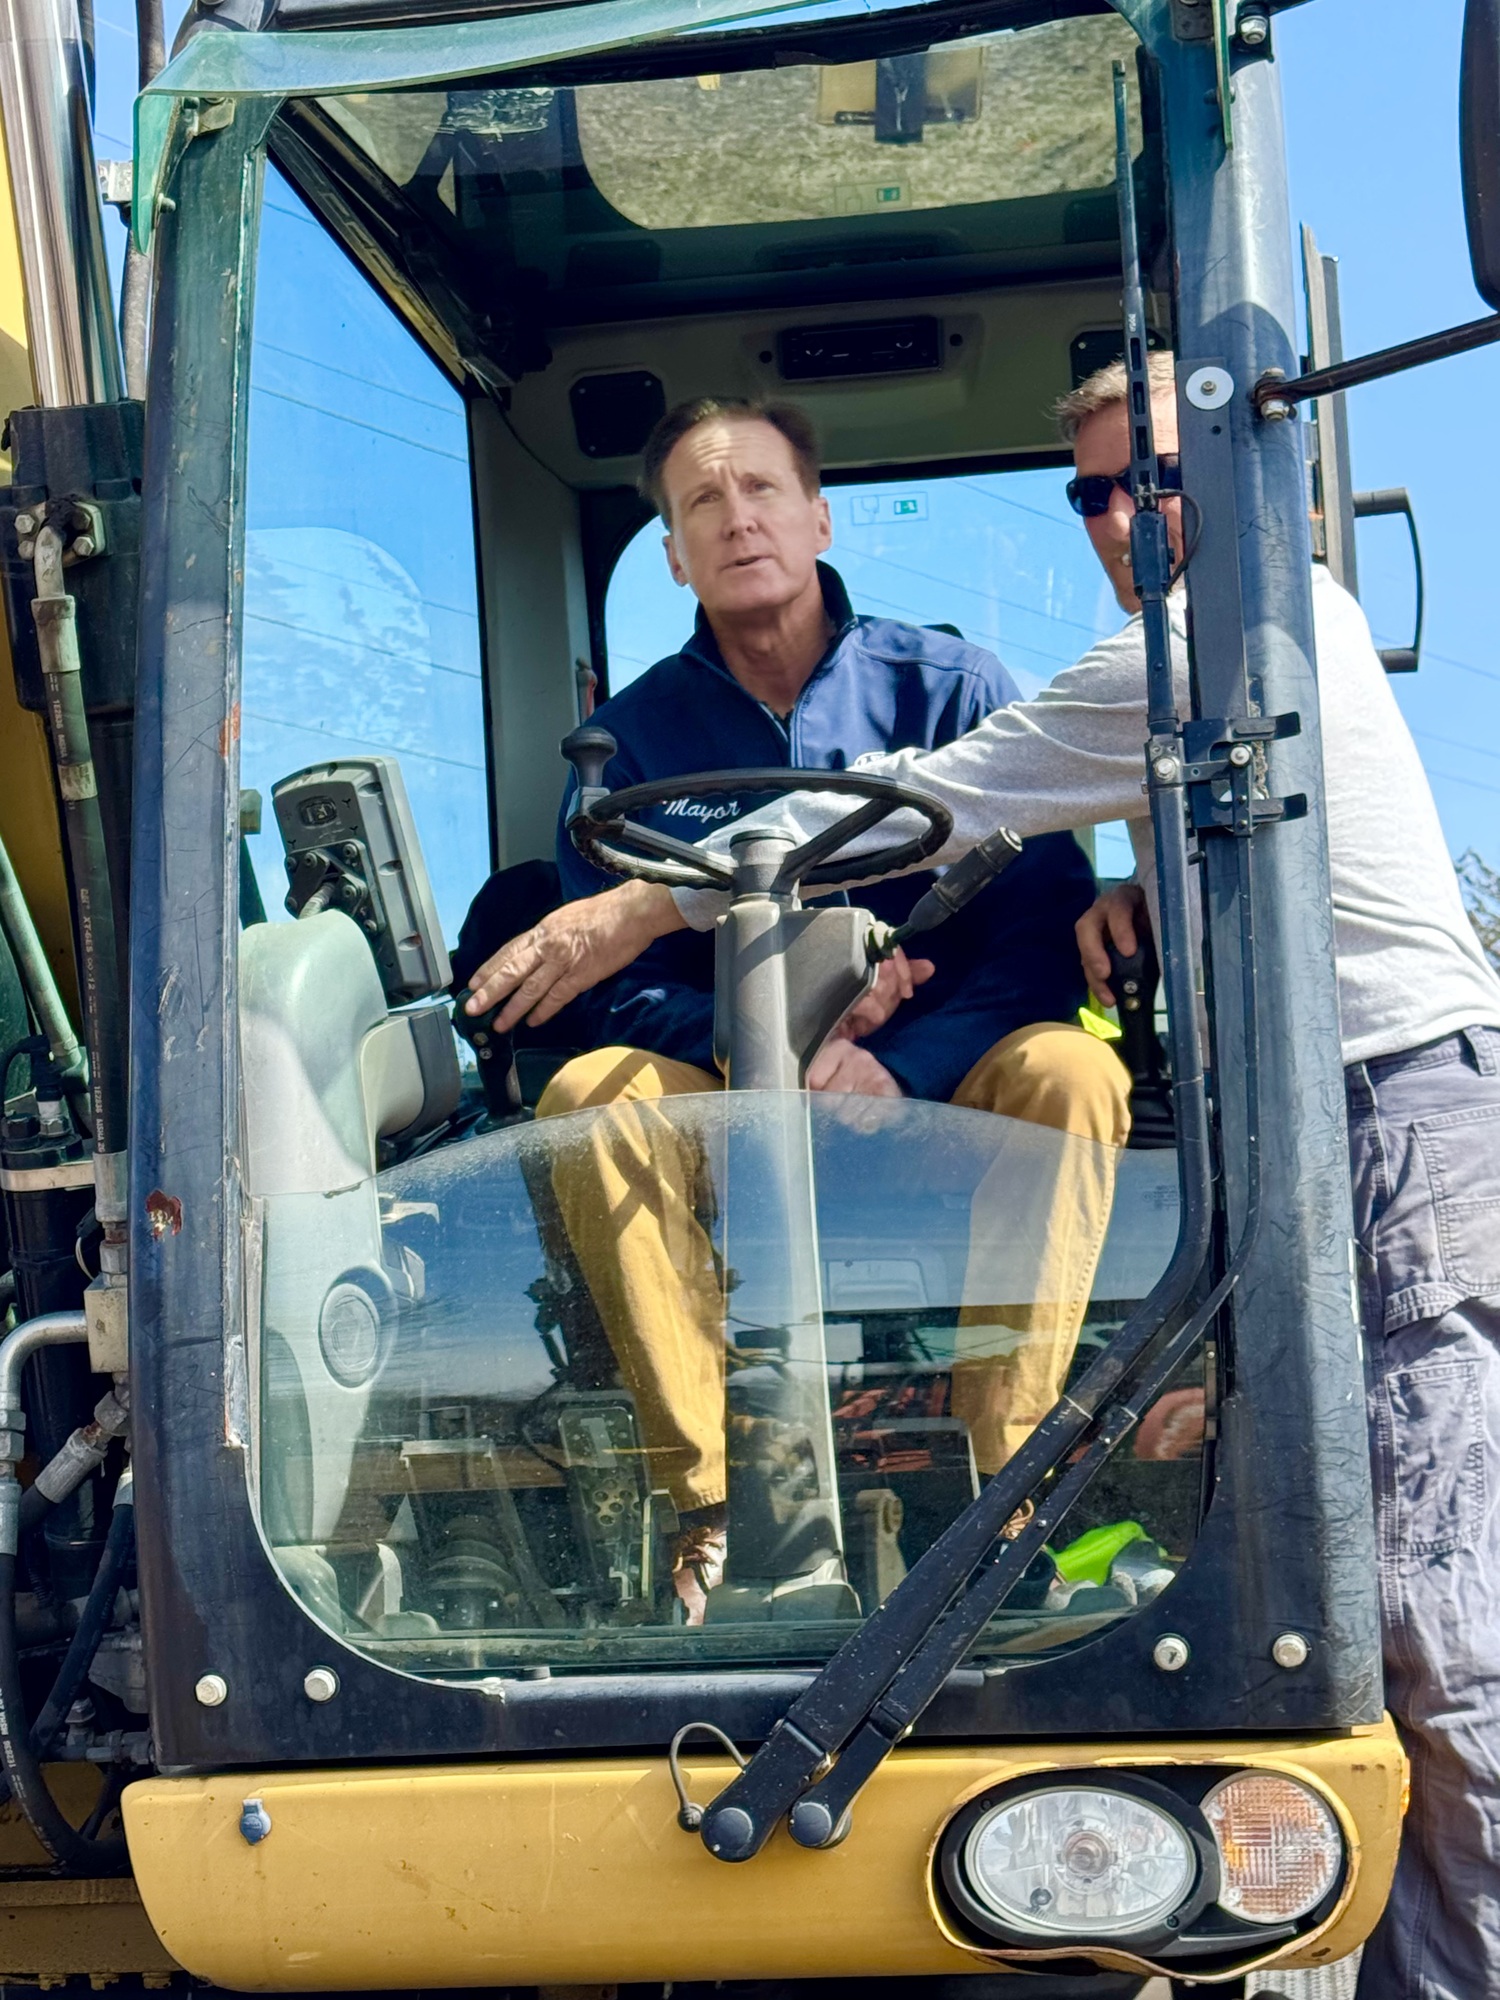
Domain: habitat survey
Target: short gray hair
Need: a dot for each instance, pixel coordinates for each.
(1106, 388)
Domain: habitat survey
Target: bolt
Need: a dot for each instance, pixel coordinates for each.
(212, 1690)
(1254, 28)
(320, 1684)
(25, 525)
(27, 550)
(1171, 1653)
(1239, 756)
(1277, 410)
(1290, 1650)
(84, 546)
(1165, 769)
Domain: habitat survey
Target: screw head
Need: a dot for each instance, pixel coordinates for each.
(84, 545)
(26, 550)
(1290, 1650)
(320, 1684)
(1171, 1653)
(1239, 756)
(212, 1690)
(1165, 768)
(1254, 30)
(24, 524)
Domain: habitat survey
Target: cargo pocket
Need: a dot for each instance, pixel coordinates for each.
(1438, 1434)
(1462, 1154)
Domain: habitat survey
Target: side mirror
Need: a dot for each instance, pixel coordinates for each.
(1479, 143)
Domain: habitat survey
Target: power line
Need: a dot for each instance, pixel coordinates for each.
(1474, 784)
(364, 742)
(362, 646)
(359, 423)
(406, 395)
(1453, 743)
(971, 590)
(280, 562)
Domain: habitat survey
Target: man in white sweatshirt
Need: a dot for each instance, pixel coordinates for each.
(1420, 1015)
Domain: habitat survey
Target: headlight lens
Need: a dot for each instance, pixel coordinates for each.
(1079, 1863)
(1280, 1849)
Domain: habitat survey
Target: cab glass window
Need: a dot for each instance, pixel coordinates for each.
(608, 201)
(999, 557)
(361, 628)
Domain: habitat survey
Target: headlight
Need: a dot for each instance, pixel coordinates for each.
(1078, 1862)
(1280, 1849)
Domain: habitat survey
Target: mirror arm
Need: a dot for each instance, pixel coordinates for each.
(1274, 394)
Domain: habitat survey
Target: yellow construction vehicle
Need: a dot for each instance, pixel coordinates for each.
(338, 1642)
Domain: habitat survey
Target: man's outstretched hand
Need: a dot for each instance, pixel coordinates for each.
(570, 950)
(1113, 916)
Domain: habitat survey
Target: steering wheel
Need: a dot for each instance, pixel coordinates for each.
(604, 835)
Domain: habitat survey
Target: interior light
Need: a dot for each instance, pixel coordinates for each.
(1280, 1849)
(1079, 1863)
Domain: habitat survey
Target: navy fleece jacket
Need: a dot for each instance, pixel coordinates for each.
(1007, 959)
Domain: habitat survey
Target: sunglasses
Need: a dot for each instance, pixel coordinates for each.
(1091, 495)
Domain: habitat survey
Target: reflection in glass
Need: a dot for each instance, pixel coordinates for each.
(493, 1381)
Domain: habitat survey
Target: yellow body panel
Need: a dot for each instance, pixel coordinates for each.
(28, 805)
(576, 1873)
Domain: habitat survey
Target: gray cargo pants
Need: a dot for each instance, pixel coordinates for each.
(1424, 1133)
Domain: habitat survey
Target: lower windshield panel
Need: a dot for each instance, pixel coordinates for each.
(696, 1380)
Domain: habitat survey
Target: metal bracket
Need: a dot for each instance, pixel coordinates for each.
(79, 525)
(1192, 21)
(1223, 767)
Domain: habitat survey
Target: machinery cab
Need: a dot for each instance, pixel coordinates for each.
(421, 1363)
(451, 1462)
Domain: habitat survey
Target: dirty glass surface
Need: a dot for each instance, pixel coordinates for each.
(481, 1435)
(600, 196)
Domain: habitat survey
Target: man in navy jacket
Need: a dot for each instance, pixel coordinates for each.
(779, 671)
(1008, 959)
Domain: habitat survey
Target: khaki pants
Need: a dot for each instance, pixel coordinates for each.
(627, 1199)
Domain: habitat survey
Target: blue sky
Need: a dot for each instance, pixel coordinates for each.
(1372, 134)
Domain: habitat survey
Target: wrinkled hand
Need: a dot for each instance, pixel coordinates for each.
(1114, 915)
(570, 950)
(896, 980)
(846, 1069)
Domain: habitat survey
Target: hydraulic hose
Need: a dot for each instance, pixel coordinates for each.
(77, 1852)
(36, 973)
(66, 1845)
(93, 1620)
(57, 642)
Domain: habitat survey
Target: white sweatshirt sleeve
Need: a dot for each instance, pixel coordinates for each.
(1072, 756)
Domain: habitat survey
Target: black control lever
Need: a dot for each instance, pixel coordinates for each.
(1134, 981)
(588, 748)
(495, 1055)
(958, 885)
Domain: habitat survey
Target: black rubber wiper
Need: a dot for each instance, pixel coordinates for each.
(886, 1673)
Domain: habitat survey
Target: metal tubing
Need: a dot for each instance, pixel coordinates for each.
(58, 1329)
(36, 974)
(1341, 375)
(75, 354)
(57, 641)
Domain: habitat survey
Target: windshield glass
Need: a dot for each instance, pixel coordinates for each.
(607, 199)
(507, 1389)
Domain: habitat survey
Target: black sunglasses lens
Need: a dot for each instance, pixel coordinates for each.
(1090, 494)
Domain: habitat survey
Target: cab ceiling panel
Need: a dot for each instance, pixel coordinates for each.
(517, 215)
(968, 376)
